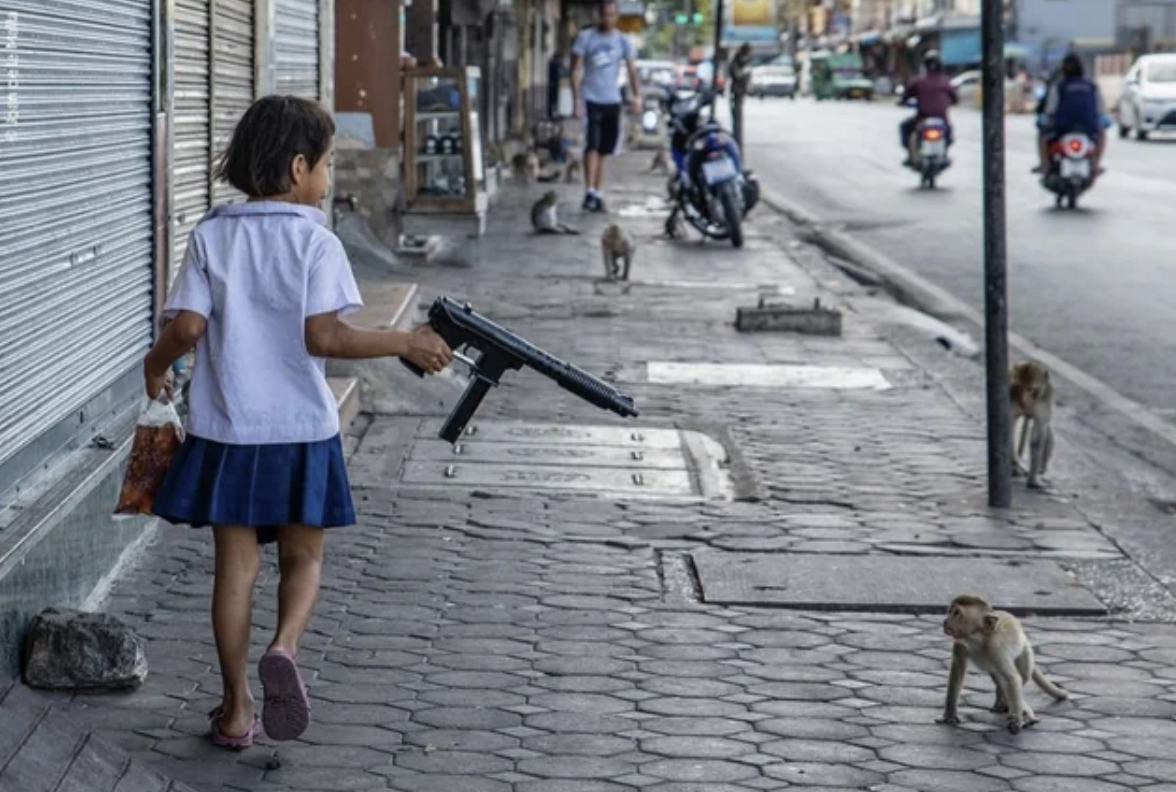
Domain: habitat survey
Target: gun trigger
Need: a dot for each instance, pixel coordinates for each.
(469, 361)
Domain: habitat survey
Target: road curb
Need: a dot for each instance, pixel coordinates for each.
(913, 289)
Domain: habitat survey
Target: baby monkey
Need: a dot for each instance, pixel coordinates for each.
(995, 641)
(1031, 397)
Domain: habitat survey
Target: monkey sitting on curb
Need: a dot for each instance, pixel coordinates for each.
(545, 216)
(995, 641)
(617, 246)
(1031, 397)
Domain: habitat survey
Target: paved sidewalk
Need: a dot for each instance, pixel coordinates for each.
(471, 640)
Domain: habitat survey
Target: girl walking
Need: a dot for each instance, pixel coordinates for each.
(261, 295)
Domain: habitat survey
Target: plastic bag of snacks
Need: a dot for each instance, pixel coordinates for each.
(158, 437)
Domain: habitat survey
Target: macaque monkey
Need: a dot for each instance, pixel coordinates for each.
(617, 245)
(995, 641)
(525, 167)
(572, 171)
(661, 162)
(1031, 397)
(545, 216)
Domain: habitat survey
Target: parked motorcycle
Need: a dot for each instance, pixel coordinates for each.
(1071, 170)
(929, 152)
(710, 188)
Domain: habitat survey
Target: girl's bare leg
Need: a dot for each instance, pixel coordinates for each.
(300, 561)
(237, 562)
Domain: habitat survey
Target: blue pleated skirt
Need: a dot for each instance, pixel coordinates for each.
(263, 486)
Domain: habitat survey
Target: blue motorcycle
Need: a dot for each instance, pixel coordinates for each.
(710, 188)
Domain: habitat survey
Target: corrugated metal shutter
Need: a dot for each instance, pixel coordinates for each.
(296, 48)
(233, 78)
(75, 205)
(191, 127)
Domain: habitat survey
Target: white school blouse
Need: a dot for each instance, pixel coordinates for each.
(256, 271)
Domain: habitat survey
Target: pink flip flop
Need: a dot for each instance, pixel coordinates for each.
(286, 714)
(222, 740)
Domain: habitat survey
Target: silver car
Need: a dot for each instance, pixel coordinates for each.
(775, 78)
(1149, 97)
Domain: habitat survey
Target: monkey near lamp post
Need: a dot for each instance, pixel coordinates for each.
(1031, 400)
(994, 642)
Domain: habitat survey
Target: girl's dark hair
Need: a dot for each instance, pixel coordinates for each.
(273, 131)
(1072, 66)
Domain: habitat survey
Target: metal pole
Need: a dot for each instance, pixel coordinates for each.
(996, 310)
(718, 41)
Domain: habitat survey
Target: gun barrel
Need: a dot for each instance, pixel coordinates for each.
(594, 391)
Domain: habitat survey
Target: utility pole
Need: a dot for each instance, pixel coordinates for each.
(996, 308)
(716, 60)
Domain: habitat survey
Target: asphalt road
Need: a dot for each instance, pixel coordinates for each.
(1096, 287)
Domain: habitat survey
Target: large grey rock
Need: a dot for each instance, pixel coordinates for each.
(70, 650)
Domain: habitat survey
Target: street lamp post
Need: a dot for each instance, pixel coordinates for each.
(996, 309)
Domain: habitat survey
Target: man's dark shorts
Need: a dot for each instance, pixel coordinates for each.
(604, 128)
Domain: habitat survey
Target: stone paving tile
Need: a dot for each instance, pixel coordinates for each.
(492, 643)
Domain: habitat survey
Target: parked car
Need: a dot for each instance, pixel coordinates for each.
(967, 85)
(774, 78)
(1149, 97)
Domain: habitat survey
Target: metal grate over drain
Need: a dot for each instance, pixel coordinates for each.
(604, 460)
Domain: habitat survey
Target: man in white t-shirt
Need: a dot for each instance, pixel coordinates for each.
(597, 56)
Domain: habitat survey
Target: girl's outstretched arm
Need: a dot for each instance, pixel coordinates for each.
(176, 340)
(329, 337)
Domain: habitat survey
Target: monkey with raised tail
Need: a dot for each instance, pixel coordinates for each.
(996, 643)
(545, 216)
(1031, 397)
(617, 245)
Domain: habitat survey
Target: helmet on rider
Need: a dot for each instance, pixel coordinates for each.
(932, 61)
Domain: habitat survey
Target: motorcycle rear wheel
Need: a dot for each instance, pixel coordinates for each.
(732, 212)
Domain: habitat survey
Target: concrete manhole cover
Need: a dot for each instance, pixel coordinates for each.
(618, 462)
(766, 375)
(888, 584)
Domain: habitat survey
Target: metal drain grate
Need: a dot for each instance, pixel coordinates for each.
(604, 460)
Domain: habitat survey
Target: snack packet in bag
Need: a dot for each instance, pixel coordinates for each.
(158, 437)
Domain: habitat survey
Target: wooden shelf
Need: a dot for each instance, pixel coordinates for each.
(463, 122)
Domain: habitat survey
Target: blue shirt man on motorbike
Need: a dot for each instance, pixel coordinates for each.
(1073, 104)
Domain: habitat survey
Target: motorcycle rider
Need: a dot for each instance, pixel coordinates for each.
(1073, 104)
(933, 94)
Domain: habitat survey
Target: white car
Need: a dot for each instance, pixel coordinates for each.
(1149, 97)
(967, 86)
